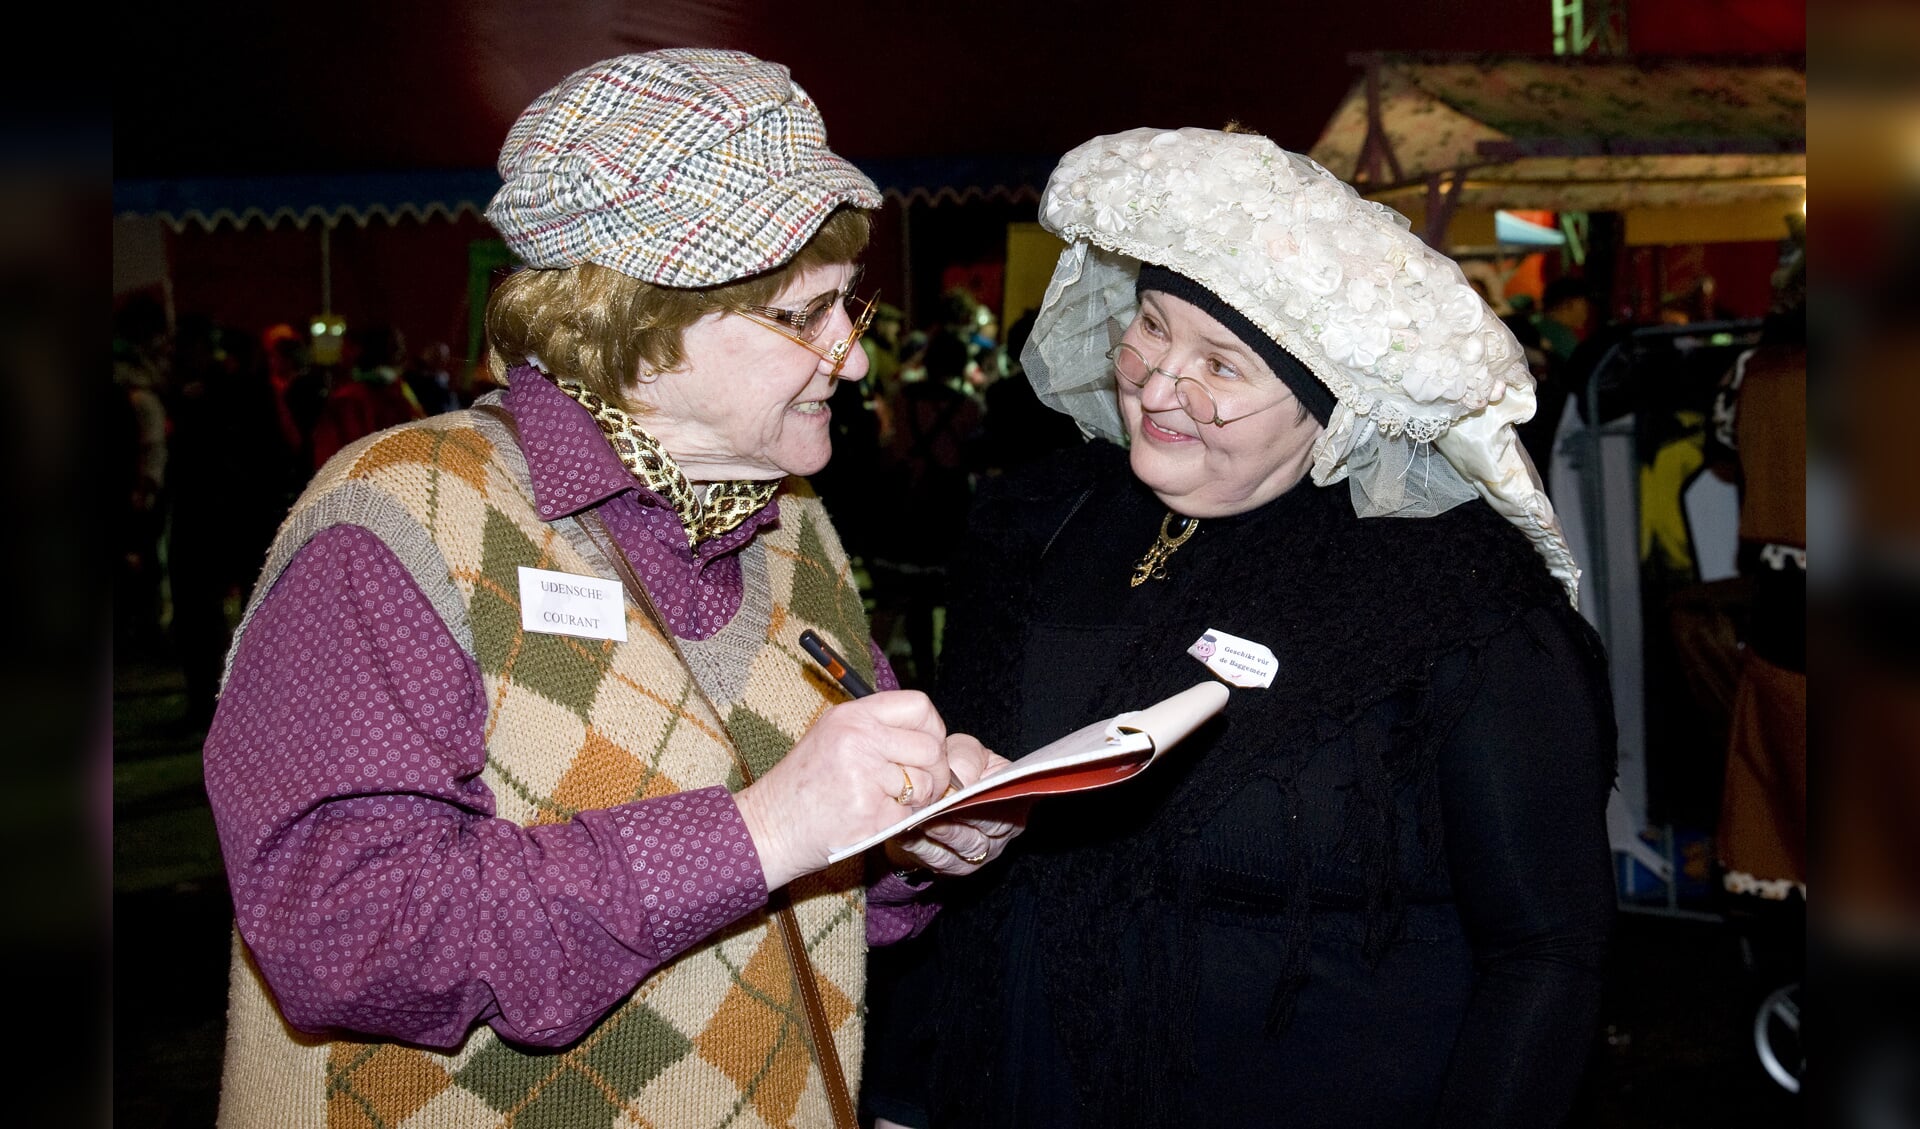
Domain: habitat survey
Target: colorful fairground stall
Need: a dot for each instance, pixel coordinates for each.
(1672, 186)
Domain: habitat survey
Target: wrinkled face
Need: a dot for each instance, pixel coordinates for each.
(747, 403)
(1198, 469)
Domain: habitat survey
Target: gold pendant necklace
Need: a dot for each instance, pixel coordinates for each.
(1153, 566)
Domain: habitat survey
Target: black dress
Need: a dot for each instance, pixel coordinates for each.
(1377, 893)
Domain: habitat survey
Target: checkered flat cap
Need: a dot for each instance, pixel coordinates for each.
(686, 167)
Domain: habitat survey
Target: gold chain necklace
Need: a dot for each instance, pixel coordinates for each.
(1153, 566)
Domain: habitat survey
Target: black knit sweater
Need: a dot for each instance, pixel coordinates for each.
(1377, 892)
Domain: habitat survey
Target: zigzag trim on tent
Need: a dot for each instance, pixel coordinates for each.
(303, 218)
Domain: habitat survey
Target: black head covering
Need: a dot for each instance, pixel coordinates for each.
(1299, 379)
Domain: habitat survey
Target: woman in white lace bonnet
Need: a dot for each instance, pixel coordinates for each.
(1377, 890)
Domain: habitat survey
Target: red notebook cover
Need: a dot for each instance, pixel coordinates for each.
(1100, 754)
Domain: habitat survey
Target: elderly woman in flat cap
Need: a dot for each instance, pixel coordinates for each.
(525, 787)
(1376, 891)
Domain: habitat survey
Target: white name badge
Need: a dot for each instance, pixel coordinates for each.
(560, 603)
(1236, 661)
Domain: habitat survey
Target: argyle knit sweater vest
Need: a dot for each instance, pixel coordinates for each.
(717, 1037)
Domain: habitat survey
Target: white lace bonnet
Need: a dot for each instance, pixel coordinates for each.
(1415, 359)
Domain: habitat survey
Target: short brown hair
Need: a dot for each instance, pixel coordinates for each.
(592, 324)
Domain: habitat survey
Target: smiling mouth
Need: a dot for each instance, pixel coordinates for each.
(1153, 430)
(810, 408)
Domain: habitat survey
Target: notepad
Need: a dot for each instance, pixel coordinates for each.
(1106, 752)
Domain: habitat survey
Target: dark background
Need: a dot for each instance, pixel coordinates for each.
(273, 89)
(245, 89)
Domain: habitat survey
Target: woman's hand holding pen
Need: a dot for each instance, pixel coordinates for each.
(954, 845)
(961, 844)
(846, 779)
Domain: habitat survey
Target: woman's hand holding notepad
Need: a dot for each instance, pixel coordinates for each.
(1103, 753)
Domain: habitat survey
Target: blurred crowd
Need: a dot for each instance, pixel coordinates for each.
(938, 408)
(219, 428)
(217, 431)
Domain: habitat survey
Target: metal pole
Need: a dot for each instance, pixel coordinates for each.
(1594, 506)
(1593, 489)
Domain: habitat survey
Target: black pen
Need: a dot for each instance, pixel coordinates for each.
(845, 675)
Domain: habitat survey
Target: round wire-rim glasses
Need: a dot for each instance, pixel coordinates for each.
(1131, 365)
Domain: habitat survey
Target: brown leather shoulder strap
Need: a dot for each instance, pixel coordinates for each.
(825, 1054)
(819, 1031)
(504, 416)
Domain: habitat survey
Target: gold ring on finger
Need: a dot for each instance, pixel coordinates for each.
(906, 791)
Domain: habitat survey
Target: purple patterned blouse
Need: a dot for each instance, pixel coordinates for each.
(371, 881)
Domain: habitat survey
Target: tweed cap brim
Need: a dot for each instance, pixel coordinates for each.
(685, 167)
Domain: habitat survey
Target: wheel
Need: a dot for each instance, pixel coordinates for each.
(1776, 1036)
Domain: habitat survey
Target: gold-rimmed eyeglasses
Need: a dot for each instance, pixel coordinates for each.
(811, 322)
(807, 325)
(1194, 397)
